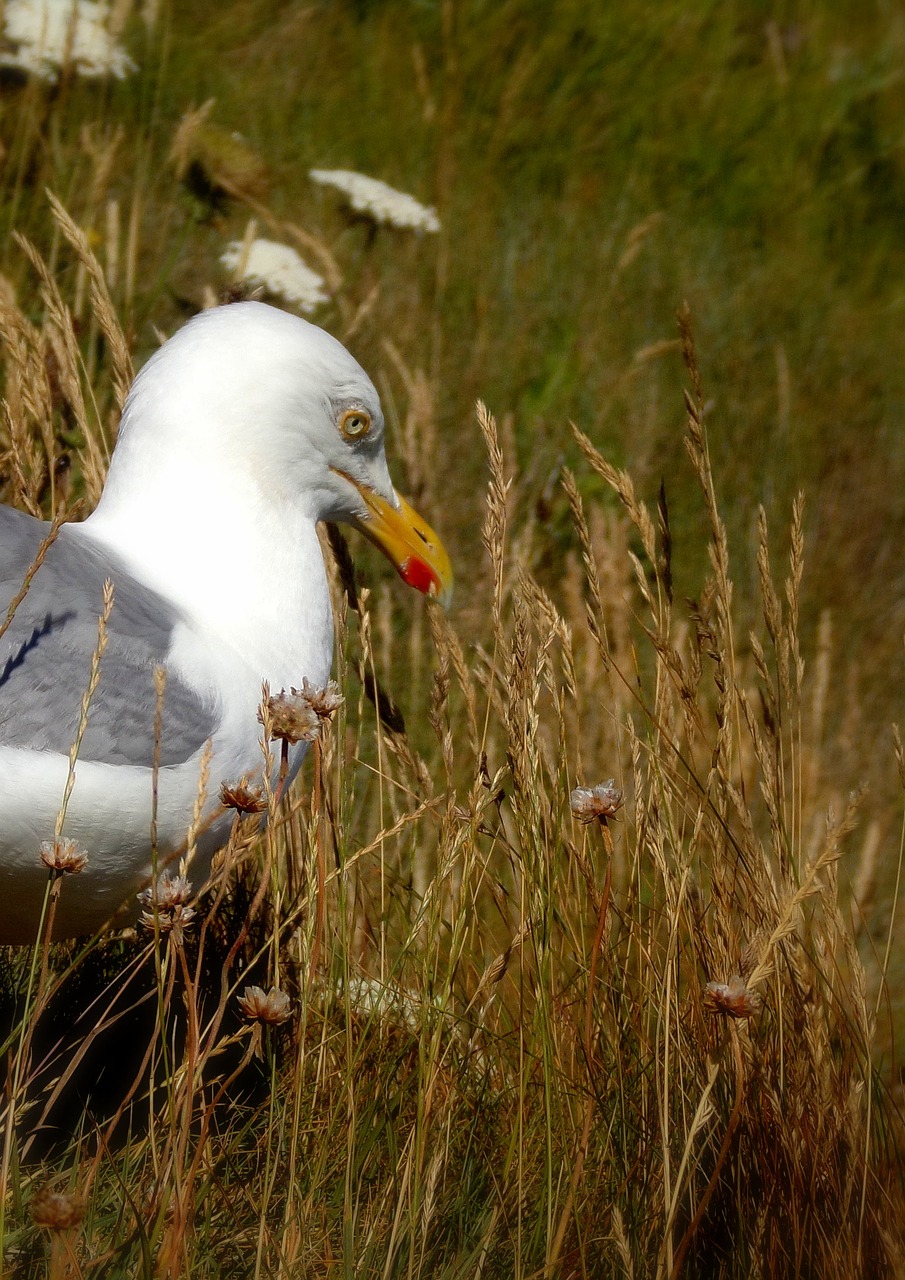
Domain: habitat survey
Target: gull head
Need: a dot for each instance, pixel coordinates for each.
(247, 400)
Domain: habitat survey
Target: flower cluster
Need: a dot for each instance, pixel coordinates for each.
(278, 269)
(376, 200)
(596, 804)
(165, 905)
(273, 1007)
(47, 35)
(63, 855)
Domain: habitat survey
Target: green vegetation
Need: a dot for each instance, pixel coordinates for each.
(502, 1059)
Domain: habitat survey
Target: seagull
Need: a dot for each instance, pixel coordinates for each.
(240, 434)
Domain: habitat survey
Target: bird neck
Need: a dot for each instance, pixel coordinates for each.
(244, 567)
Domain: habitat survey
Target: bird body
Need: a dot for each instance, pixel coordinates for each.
(238, 436)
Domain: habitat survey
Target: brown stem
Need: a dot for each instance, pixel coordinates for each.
(217, 1020)
(321, 866)
(721, 1158)
(598, 941)
(596, 947)
(105, 1138)
(253, 1047)
(48, 935)
(183, 1215)
(55, 1269)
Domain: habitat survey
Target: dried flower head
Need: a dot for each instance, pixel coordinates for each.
(165, 902)
(323, 702)
(378, 201)
(215, 159)
(63, 855)
(278, 269)
(590, 804)
(273, 1007)
(166, 892)
(174, 921)
(292, 717)
(56, 1210)
(46, 35)
(243, 797)
(732, 998)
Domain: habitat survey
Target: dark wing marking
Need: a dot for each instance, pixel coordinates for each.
(45, 655)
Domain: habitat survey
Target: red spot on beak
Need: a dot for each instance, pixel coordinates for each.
(420, 576)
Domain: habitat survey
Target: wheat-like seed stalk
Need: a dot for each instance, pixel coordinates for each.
(102, 306)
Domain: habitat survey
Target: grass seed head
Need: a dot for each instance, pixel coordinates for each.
(220, 159)
(63, 855)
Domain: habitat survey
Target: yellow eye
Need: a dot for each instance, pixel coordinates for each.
(355, 423)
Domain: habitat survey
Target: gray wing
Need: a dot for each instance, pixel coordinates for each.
(45, 655)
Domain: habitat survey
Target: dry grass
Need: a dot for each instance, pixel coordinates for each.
(520, 1045)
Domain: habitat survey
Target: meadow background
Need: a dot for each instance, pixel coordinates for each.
(501, 1060)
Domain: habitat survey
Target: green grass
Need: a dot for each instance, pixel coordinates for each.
(542, 1092)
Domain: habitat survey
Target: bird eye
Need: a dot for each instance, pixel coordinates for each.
(355, 423)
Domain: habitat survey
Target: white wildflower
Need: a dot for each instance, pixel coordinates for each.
(386, 1001)
(279, 269)
(47, 35)
(323, 702)
(382, 203)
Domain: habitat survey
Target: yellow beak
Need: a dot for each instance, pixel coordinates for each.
(408, 542)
